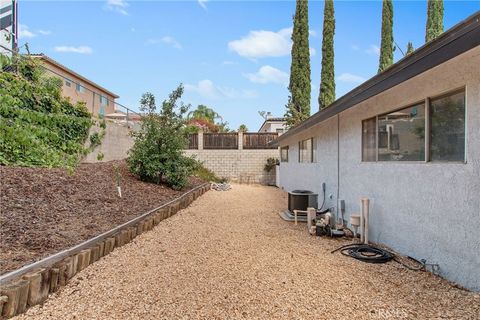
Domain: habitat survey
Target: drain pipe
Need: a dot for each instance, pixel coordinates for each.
(365, 205)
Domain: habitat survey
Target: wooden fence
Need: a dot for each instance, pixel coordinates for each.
(220, 141)
(258, 140)
(193, 141)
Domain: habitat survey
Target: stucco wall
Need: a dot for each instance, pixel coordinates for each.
(91, 96)
(425, 210)
(244, 166)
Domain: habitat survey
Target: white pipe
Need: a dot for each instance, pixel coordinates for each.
(362, 227)
(365, 214)
(311, 216)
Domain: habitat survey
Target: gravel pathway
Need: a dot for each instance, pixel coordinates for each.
(230, 256)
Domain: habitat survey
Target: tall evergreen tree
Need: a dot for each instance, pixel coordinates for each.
(298, 107)
(386, 45)
(410, 48)
(434, 26)
(327, 81)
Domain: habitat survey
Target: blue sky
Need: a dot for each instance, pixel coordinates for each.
(233, 56)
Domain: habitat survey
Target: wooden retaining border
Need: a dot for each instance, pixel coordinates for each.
(30, 285)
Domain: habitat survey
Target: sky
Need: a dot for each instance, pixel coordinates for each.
(233, 56)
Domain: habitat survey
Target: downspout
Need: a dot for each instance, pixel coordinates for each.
(338, 166)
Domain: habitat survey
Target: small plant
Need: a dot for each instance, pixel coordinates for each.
(94, 140)
(204, 173)
(100, 156)
(103, 124)
(118, 179)
(223, 180)
(271, 163)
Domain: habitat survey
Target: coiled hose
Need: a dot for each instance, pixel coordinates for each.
(370, 254)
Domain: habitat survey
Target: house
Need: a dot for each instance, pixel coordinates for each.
(408, 139)
(273, 124)
(99, 101)
(8, 26)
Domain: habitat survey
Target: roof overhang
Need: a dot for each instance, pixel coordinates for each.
(453, 42)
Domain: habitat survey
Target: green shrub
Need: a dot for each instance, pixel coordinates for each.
(271, 163)
(38, 127)
(204, 173)
(157, 154)
(94, 140)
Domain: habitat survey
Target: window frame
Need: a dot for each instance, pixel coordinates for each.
(80, 88)
(426, 102)
(287, 149)
(101, 101)
(300, 150)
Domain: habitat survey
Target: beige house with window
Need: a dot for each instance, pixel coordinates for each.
(409, 140)
(274, 125)
(99, 101)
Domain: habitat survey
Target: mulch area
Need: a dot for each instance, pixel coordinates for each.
(43, 211)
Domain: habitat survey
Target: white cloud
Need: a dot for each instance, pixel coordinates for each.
(119, 6)
(351, 78)
(268, 74)
(355, 47)
(373, 50)
(79, 49)
(167, 40)
(207, 89)
(25, 32)
(258, 44)
(312, 52)
(203, 4)
(264, 43)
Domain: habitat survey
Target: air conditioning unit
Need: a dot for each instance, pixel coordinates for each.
(301, 200)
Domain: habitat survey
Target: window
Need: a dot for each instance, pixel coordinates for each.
(279, 130)
(80, 88)
(369, 139)
(68, 83)
(447, 128)
(284, 154)
(401, 135)
(305, 153)
(103, 101)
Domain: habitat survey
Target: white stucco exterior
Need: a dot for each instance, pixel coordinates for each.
(427, 210)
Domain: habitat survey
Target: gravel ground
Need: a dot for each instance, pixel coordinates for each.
(230, 256)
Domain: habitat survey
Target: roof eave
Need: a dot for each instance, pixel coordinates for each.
(455, 41)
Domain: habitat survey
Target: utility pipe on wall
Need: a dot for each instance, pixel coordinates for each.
(364, 217)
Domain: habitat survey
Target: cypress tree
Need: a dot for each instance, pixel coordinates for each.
(386, 45)
(434, 26)
(298, 107)
(410, 48)
(327, 81)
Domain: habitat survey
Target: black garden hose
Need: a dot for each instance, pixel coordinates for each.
(370, 254)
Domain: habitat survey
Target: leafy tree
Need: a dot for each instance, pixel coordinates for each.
(386, 45)
(410, 48)
(434, 26)
(157, 154)
(243, 128)
(298, 108)
(327, 82)
(205, 113)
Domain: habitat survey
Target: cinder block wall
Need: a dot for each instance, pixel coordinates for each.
(243, 166)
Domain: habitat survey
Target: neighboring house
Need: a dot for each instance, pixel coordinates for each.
(99, 101)
(408, 139)
(272, 124)
(8, 26)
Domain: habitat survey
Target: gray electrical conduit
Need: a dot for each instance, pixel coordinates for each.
(50, 260)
